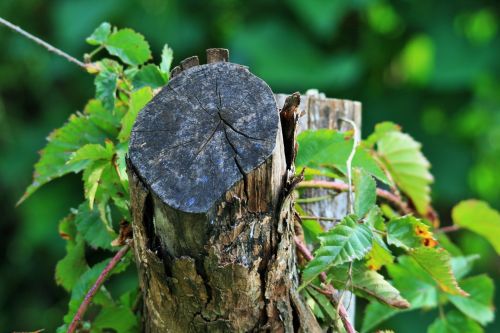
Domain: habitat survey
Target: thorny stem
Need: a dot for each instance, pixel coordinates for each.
(42, 43)
(338, 186)
(95, 288)
(328, 289)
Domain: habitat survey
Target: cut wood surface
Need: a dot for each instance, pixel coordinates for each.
(202, 133)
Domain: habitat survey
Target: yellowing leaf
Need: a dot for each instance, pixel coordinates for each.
(409, 232)
(378, 256)
(480, 218)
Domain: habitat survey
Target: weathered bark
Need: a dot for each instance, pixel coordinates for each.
(321, 112)
(212, 214)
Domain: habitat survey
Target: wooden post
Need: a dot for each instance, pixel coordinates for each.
(212, 214)
(321, 112)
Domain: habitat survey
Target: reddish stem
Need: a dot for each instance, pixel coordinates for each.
(95, 288)
(328, 290)
(341, 187)
(449, 228)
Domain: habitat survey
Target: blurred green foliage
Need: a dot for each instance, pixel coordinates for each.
(430, 66)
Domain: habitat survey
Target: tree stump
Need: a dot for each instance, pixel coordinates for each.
(212, 214)
(321, 112)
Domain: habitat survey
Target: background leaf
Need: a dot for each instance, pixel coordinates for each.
(480, 218)
(100, 34)
(479, 305)
(454, 322)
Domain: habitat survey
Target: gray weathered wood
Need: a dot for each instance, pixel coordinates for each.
(217, 55)
(212, 218)
(202, 133)
(321, 112)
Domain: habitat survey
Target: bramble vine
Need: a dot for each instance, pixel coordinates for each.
(389, 249)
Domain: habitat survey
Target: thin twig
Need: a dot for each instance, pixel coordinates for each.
(449, 228)
(42, 43)
(328, 290)
(313, 199)
(342, 187)
(319, 218)
(95, 288)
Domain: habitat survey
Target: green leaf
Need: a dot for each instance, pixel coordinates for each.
(167, 55)
(93, 152)
(73, 265)
(368, 284)
(149, 76)
(118, 318)
(62, 142)
(462, 265)
(401, 155)
(91, 227)
(345, 242)
(480, 218)
(100, 34)
(91, 179)
(414, 283)
(138, 99)
(454, 322)
(312, 229)
(86, 281)
(326, 147)
(445, 242)
(380, 130)
(479, 305)
(129, 46)
(408, 232)
(436, 262)
(365, 188)
(106, 83)
(375, 314)
(321, 306)
(364, 160)
(108, 121)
